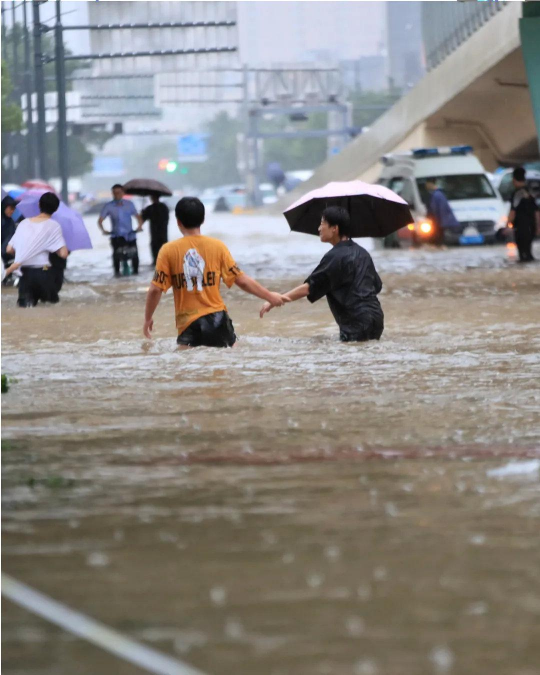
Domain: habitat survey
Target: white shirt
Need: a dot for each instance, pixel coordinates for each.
(34, 241)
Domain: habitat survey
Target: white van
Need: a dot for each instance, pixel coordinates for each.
(477, 205)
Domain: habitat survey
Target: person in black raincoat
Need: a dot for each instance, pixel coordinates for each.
(8, 230)
(347, 277)
(524, 215)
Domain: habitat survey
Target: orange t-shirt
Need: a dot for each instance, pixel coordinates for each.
(194, 267)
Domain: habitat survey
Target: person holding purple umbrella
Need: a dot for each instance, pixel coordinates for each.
(347, 277)
(33, 241)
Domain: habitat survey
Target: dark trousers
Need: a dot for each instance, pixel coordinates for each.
(524, 239)
(58, 267)
(37, 285)
(158, 237)
(124, 250)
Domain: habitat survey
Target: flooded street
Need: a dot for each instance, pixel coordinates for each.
(294, 506)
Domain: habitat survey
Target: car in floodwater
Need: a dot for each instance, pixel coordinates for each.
(503, 182)
(477, 205)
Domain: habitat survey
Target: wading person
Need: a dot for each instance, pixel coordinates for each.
(194, 266)
(347, 277)
(8, 230)
(524, 215)
(158, 215)
(33, 241)
(439, 211)
(123, 236)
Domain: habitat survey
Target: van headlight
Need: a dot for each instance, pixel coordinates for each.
(425, 226)
(502, 222)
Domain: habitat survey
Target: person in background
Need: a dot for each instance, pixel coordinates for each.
(123, 236)
(33, 241)
(347, 277)
(194, 266)
(8, 230)
(158, 215)
(439, 211)
(524, 215)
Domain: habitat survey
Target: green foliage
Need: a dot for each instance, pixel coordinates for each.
(369, 105)
(11, 112)
(221, 165)
(47, 44)
(80, 159)
(5, 384)
(296, 153)
(51, 482)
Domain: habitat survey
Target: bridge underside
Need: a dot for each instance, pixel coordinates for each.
(479, 95)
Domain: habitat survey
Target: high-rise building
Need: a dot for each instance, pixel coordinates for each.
(405, 47)
(123, 89)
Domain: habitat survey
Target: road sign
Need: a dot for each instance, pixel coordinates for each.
(108, 166)
(192, 148)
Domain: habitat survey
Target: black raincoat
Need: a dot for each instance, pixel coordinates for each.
(8, 228)
(347, 276)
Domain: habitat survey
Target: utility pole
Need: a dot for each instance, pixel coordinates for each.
(16, 83)
(61, 94)
(6, 137)
(30, 137)
(40, 92)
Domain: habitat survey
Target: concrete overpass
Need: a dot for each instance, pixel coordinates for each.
(477, 95)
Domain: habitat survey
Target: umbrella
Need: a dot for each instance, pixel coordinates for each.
(375, 210)
(38, 184)
(145, 187)
(72, 224)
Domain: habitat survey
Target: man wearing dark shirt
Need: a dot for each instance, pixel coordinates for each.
(524, 215)
(158, 215)
(347, 276)
(439, 211)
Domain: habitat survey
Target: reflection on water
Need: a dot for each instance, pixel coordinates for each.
(294, 506)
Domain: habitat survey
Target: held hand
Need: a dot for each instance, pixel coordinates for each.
(265, 309)
(139, 229)
(104, 231)
(278, 300)
(148, 327)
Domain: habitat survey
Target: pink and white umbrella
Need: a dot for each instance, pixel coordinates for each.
(375, 210)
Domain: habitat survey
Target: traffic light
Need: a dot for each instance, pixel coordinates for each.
(171, 165)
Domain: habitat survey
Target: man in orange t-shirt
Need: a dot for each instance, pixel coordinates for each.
(194, 267)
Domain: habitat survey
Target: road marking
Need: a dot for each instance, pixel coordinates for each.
(93, 631)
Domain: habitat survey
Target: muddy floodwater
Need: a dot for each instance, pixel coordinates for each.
(294, 506)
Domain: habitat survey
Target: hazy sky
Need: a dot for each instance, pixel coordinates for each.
(287, 31)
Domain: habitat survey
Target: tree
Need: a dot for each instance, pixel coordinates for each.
(370, 105)
(221, 167)
(79, 158)
(47, 44)
(296, 153)
(11, 112)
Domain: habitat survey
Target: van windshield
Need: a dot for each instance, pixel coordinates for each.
(463, 186)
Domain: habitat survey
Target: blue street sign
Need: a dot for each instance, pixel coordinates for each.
(192, 147)
(108, 166)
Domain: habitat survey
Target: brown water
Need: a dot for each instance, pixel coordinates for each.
(294, 506)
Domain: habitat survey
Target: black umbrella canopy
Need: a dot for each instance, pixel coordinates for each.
(377, 212)
(146, 187)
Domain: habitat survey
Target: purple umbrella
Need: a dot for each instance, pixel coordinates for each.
(73, 228)
(375, 210)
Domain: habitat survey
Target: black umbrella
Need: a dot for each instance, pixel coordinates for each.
(375, 211)
(146, 187)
